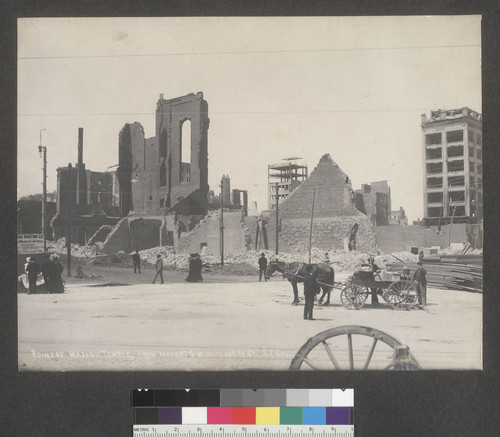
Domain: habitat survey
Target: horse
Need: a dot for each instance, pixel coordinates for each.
(295, 272)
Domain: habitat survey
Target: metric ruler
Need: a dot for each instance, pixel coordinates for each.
(243, 431)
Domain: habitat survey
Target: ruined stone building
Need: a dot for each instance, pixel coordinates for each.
(163, 180)
(335, 213)
(235, 199)
(398, 218)
(226, 189)
(84, 200)
(374, 200)
(167, 172)
(240, 198)
(452, 161)
(29, 216)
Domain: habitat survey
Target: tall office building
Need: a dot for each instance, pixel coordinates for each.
(453, 170)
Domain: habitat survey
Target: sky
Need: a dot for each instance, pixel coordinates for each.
(353, 87)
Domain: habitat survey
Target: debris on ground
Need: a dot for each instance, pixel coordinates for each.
(241, 263)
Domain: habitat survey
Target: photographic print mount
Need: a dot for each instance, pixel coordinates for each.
(425, 393)
(165, 203)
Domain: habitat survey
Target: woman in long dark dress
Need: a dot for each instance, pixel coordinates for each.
(55, 280)
(198, 265)
(192, 269)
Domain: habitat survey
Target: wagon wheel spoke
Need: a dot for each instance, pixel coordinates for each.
(351, 358)
(310, 364)
(330, 355)
(370, 354)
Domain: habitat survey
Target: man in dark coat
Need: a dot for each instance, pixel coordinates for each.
(421, 285)
(311, 289)
(46, 267)
(32, 269)
(191, 277)
(262, 266)
(159, 269)
(374, 268)
(136, 259)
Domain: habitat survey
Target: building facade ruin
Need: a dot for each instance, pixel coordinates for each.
(167, 172)
(85, 200)
(163, 180)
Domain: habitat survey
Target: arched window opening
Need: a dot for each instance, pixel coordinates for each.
(185, 151)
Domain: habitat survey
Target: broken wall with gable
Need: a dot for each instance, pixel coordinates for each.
(335, 212)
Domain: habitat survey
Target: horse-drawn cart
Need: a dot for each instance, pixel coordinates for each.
(400, 291)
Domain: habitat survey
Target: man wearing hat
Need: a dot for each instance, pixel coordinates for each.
(46, 267)
(421, 284)
(262, 266)
(159, 269)
(374, 268)
(311, 289)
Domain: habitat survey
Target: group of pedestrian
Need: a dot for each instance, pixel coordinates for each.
(195, 266)
(136, 259)
(51, 270)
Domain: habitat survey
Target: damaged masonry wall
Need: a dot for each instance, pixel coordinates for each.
(207, 232)
(334, 212)
(139, 233)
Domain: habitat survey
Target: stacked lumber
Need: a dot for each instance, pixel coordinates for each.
(450, 272)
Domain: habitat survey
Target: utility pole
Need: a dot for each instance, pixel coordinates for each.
(311, 230)
(43, 154)
(221, 223)
(277, 218)
(68, 237)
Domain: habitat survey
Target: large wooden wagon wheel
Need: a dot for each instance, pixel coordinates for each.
(354, 347)
(402, 294)
(353, 297)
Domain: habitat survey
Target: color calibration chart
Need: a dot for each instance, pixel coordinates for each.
(243, 413)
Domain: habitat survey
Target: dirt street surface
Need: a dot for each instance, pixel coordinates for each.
(225, 323)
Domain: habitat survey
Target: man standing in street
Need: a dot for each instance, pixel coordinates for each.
(136, 259)
(159, 269)
(32, 269)
(375, 269)
(311, 289)
(46, 268)
(262, 266)
(421, 284)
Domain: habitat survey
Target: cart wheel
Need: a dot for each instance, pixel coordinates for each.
(329, 350)
(402, 294)
(353, 297)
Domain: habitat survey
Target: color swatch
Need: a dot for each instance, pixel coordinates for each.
(243, 415)
(244, 407)
(243, 398)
